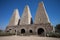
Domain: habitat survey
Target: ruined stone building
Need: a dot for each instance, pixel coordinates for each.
(24, 25)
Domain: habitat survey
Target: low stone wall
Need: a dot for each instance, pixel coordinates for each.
(34, 29)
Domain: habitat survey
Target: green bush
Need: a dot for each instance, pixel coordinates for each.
(53, 34)
(6, 34)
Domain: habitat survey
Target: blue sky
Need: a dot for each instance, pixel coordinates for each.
(7, 7)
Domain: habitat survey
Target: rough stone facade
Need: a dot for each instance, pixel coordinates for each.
(41, 15)
(33, 29)
(15, 18)
(25, 26)
(26, 17)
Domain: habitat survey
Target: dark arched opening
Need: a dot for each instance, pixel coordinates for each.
(10, 29)
(30, 31)
(18, 21)
(40, 31)
(31, 22)
(7, 31)
(15, 30)
(22, 31)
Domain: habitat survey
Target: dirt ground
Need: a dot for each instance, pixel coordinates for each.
(27, 38)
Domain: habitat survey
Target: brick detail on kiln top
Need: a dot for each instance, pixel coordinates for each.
(15, 18)
(41, 15)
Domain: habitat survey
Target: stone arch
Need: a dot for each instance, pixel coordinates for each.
(40, 31)
(23, 31)
(9, 30)
(15, 30)
(30, 31)
(43, 32)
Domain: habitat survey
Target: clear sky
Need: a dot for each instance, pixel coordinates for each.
(7, 7)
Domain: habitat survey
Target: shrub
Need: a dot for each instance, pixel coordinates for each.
(53, 34)
(6, 34)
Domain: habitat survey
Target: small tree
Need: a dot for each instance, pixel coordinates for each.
(57, 28)
(1, 30)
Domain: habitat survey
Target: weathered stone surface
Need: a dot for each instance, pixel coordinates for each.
(34, 27)
(26, 17)
(41, 15)
(15, 18)
(41, 23)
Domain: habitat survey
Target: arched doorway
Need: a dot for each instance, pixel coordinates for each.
(22, 31)
(40, 31)
(30, 31)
